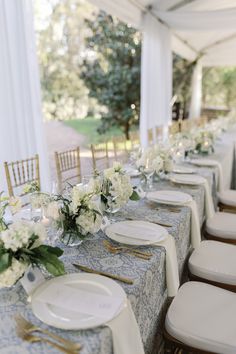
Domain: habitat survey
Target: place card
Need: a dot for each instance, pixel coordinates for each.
(81, 301)
(32, 279)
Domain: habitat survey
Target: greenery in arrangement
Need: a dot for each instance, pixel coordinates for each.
(21, 244)
(112, 75)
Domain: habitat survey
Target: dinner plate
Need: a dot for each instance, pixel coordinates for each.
(56, 316)
(136, 232)
(183, 169)
(187, 179)
(203, 162)
(169, 197)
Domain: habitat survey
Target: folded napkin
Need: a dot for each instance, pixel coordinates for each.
(137, 230)
(172, 273)
(126, 333)
(195, 224)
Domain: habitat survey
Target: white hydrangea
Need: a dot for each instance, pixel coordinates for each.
(78, 195)
(19, 233)
(89, 221)
(119, 184)
(15, 204)
(13, 273)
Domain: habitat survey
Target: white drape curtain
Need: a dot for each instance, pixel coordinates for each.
(21, 130)
(156, 76)
(196, 92)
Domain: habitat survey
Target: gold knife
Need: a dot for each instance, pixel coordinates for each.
(109, 275)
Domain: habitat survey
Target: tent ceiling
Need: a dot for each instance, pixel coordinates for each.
(199, 27)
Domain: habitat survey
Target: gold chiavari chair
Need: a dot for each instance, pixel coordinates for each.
(134, 139)
(202, 121)
(174, 128)
(20, 173)
(150, 136)
(186, 125)
(120, 148)
(100, 156)
(159, 132)
(67, 162)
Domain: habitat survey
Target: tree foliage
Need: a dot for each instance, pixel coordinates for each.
(111, 71)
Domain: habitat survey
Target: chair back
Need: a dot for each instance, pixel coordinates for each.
(100, 156)
(68, 167)
(120, 148)
(134, 139)
(20, 173)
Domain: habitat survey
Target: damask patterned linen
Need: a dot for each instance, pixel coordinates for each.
(148, 294)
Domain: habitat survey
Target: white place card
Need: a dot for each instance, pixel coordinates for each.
(81, 301)
(32, 279)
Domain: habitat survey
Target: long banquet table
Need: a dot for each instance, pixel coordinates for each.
(148, 294)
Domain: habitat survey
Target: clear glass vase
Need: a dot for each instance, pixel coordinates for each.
(71, 238)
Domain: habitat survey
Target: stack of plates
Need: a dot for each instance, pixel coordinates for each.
(139, 233)
(169, 197)
(187, 179)
(183, 169)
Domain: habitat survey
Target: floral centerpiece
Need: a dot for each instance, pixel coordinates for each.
(204, 142)
(159, 158)
(21, 245)
(116, 188)
(77, 214)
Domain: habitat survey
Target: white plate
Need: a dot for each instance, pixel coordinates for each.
(203, 162)
(157, 232)
(169, 197)
(187, 179)
(183, 169)
(65, 319)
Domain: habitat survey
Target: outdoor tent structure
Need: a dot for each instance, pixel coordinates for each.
(199, 30)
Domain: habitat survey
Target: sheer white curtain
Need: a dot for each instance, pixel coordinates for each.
(196, 91)
(21, 130)
(156, 76)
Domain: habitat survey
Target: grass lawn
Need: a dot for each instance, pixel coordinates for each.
(88, 127)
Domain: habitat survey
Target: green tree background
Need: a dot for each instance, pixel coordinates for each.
(90, 66)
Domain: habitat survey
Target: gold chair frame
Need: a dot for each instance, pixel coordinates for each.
(67, 161)
(120, 145)
(22, 172)
(97, 150)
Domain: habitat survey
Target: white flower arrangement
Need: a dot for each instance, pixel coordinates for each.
(116, 187)
(21, 244)
(31, 187)
(159, 156)
(79, 214)
(204, 141)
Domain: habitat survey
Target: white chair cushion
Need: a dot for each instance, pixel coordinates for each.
(222, 225)
(214, 261)
(204, 317)
(228, 197)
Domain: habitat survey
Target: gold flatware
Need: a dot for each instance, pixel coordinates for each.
(154, 222)
(36, 339)
(29, 328)
(115, 249)
(109, 275)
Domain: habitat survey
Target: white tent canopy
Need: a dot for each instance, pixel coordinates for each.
(195, 29)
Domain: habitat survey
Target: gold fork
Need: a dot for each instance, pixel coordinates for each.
(114, 249)
(27, 327)
(36, 339)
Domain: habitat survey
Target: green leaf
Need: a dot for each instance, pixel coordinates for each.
(48, 257)
(49, 249)
(134, 196)
(5, 261)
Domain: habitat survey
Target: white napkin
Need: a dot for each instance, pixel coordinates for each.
(195, 224)
(135, 230)
(172, 273)
(209, 206)
(126, 333)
